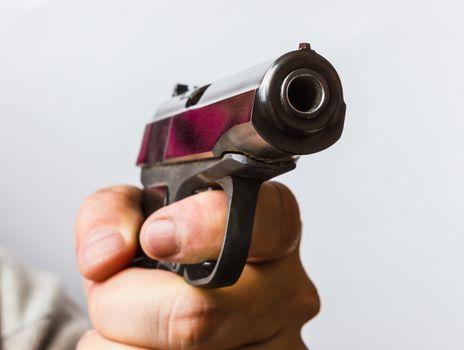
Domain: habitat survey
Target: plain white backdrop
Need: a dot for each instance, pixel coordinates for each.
(383, 208)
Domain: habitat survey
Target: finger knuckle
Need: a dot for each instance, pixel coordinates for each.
(92, 202)
(301, 299)
(98, 203)
(308, 302)
(191, 322)
(118, 192)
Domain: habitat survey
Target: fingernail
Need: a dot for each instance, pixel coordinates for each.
(160, 237)
(100, 245)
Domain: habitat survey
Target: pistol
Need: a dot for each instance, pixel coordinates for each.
(234, 134)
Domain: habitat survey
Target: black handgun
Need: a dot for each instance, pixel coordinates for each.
(234, 134)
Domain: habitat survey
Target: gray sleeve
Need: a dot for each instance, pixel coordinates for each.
(35, 313)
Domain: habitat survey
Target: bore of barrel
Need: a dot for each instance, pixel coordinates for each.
(304, 91)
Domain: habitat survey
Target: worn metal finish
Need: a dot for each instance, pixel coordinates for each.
(220, 90)
(194, 131)
(259, 95)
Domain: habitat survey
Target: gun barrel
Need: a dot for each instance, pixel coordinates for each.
(286, 107)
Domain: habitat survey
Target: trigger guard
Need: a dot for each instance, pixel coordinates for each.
(240, 177)
(242, 195)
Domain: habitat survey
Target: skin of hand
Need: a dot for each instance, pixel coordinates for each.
(135, 308)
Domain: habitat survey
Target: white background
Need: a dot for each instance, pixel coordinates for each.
(383, 237)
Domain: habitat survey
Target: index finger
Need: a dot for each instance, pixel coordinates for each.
(192, 230)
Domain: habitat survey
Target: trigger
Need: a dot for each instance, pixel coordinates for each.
(154, 198)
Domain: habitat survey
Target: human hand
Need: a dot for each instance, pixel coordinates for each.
(134, 308)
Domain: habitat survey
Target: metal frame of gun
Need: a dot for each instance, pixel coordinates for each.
(234, 134)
